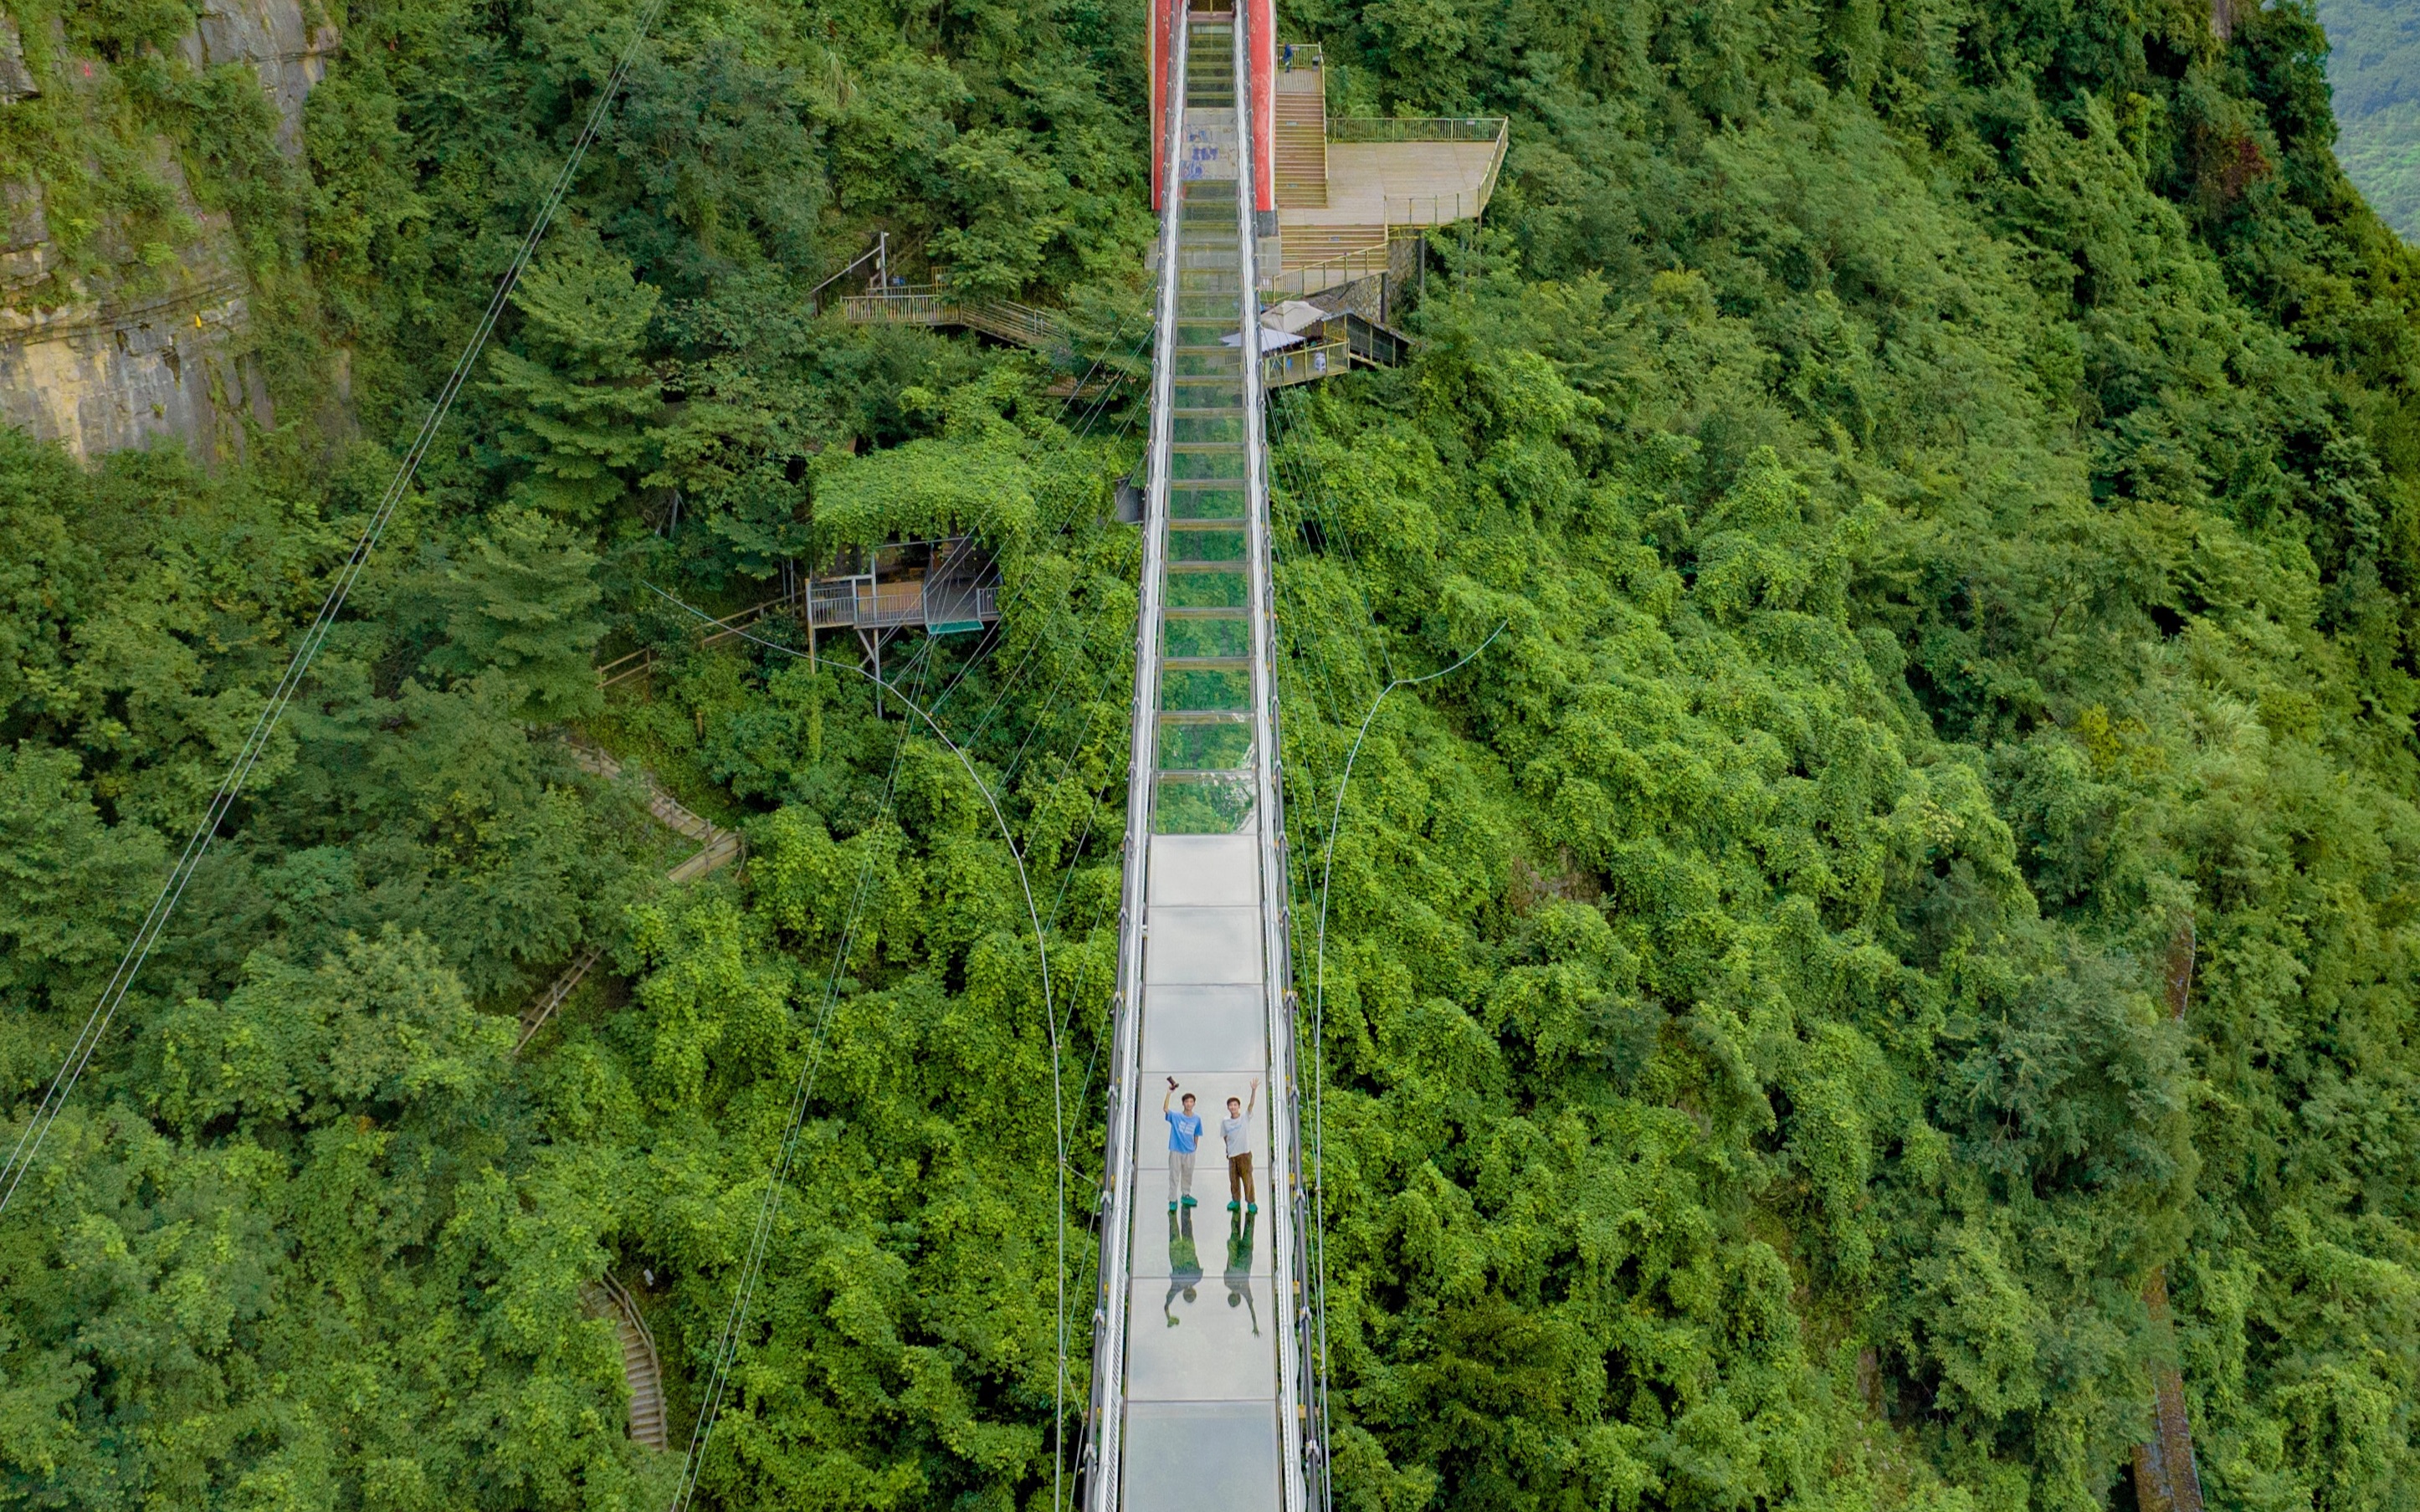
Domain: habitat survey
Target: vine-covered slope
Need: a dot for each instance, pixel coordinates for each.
(1940, 479)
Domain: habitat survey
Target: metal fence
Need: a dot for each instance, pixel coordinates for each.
(1432, 210)
(930, 304)
(1305, 364)
(1417, 128)
(1361, 262)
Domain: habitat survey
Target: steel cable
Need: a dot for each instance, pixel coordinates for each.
(1051, 1016)
(1319, 989)
(255, 743)
(743, 1295)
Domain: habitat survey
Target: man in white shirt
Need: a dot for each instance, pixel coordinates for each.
(1237, 1127)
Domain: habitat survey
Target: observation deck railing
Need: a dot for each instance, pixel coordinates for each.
(1403, 214)
(1307, 363)
(1440, 209)
(1418, 129)
(1345, 267)
(931, 305)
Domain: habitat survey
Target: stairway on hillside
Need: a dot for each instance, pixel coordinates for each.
(640, 1369)
(717, 847)
(1308, 244)
(1301, 133)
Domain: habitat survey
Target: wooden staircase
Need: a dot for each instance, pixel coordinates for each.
(1301, 133)
(640, 1369)
(1308, 244)
(716, 848)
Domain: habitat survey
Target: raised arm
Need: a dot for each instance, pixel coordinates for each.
(1169, 1096)
(1252, 1099)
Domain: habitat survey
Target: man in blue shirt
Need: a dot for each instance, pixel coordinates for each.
(1183, 1136)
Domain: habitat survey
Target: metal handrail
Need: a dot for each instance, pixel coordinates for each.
(1361, 262)
(851, 266)
(1285, 1228)
(931, 304)
(1431, 209)
(1417, 128)
(1303, 364)
(1404, 213)
(922, 305)
(629, 1306)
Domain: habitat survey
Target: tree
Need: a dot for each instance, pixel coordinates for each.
(519, 604)
(579, 398)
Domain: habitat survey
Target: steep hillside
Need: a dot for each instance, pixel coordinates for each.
(2374, 64)
(1943, 483)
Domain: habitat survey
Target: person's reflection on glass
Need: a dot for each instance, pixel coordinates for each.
(1239, 1268)
(1184, 1264)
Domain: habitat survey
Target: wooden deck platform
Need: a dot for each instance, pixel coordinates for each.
(1403, 183)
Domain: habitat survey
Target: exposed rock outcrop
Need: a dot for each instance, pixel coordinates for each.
(289, 53)
(16, 79)
(155, 348)
(134, 362)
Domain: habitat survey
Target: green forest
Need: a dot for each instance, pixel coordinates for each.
(2374, 63)
(1948, 473)
(2374, 66)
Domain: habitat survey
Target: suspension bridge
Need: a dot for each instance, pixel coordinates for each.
(1206, 1342)
(1199, 1396)
(1274, 265)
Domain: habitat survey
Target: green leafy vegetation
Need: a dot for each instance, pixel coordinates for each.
(2374, 63)
(1948, 480)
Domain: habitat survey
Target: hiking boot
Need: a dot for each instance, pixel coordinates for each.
(1190, 1203)
(1232, 1206)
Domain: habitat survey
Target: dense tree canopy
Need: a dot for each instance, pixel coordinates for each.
(1943, 479)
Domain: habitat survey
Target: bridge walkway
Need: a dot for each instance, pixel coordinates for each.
(1198, 1367)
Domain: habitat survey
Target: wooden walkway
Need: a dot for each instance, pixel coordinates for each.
(716, 848)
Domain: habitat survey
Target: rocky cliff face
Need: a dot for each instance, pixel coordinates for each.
(16, 79)
(289, 55)
(159, 348)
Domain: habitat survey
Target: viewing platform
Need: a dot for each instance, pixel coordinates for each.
(1346, 186)
(930, 304)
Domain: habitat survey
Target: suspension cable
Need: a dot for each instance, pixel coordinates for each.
(1059, 1117)
(1319, 981)
(768, 1212)
(255, 743)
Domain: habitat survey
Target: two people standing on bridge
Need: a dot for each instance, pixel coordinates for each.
(1185, 1138)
